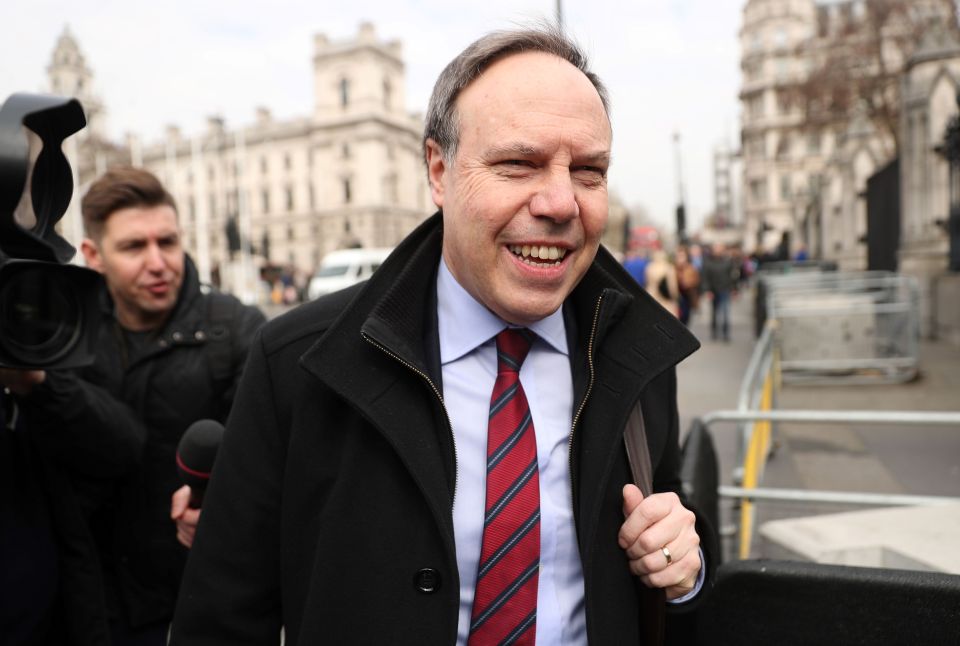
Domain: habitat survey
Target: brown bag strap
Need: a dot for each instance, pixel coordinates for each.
(638, 453)
(653, 601)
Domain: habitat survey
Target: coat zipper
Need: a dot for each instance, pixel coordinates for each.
(586, 396)
(436, 391)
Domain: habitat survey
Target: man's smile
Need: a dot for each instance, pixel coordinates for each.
(539, 255)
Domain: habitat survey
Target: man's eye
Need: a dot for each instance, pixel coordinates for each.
(591, 170)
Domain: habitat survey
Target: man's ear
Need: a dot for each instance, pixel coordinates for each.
(436, 167)
(91, 254)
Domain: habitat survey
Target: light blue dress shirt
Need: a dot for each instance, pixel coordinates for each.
(468, 358)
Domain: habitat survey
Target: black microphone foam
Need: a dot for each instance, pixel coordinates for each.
(196, 454)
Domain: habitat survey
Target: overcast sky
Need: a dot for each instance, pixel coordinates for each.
(670, 65)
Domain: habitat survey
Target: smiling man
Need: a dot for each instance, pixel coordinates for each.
(167, 356)
(437, 456)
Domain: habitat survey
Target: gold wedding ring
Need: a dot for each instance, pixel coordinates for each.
(666, 554)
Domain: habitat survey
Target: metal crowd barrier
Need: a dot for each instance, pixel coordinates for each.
(844, 327)
(757, 416)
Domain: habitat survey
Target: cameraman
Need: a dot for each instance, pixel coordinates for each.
(168, 355)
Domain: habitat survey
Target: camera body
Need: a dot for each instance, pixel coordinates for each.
(48, 308)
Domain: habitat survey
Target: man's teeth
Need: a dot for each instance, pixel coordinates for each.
(527, 252)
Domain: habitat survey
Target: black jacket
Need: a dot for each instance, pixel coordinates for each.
(108, 433)
(329, 510)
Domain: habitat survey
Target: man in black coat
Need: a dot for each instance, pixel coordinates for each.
(356, 493)
(104, 437)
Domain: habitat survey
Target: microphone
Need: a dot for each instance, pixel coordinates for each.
(196, 453)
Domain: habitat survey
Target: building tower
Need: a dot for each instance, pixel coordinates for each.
(69, 75)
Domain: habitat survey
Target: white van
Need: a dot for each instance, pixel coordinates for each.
(342, 268)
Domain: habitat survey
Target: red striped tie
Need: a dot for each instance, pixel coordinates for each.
(505, 602)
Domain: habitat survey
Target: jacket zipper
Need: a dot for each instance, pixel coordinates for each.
(586, 396)
(436, 391)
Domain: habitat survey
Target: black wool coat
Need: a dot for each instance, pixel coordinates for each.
(329, 509)
(107, 434)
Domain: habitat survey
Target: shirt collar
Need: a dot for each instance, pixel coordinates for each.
(465, 324)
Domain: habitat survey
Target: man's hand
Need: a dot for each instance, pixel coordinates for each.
(186, 518)
(660, 540)
(21, 382)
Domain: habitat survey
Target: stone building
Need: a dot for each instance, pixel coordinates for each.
(805, 177)
(347, 174)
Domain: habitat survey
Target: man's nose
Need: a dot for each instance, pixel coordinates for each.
(155, 260)
(556, 198)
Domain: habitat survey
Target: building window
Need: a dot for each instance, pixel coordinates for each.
(784, 187)
(758, 191)
(780, 38)
(783, 146)
(344, 92)
(813, 142)
(213, 205)
(286, 161)
(288, 194)
(781, 67)
(191, 209)
(311, 197)
(211, 172)
(387, 94)
(345, 151)
(755, 147)
(784, 101)
(390, 189)
(815, 183)
(265, 200)
(290, 235)
(347, 191)
(263, 165)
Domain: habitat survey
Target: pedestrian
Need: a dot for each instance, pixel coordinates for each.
(105, 436)
(688, 281)
(719, 280)
(636, 266)
(661, 282)
(368, 476)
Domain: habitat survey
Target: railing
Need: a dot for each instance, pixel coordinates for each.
(757, 417)
(835, 327)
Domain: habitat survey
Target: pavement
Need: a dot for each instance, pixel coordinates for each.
(856, 458)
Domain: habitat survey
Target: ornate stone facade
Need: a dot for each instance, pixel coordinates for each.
(347, 174)
(802, 178)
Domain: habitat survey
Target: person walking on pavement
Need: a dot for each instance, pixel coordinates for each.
(661, 282)
(719, 280)
(688, 281)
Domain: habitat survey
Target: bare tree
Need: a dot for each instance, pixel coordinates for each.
(858, 54)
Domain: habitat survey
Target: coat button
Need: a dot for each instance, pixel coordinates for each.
(427, 580)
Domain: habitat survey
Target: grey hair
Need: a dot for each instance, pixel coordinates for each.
(443, 123)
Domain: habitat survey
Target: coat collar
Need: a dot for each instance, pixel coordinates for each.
(387, 333)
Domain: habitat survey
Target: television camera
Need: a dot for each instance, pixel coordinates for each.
(48, 308)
